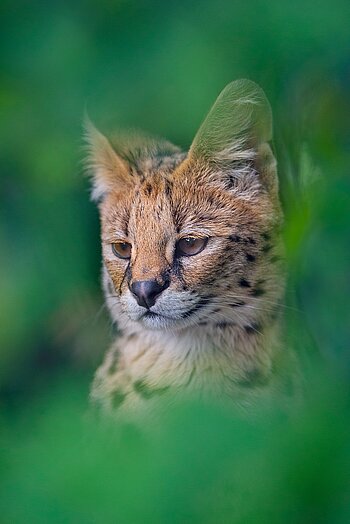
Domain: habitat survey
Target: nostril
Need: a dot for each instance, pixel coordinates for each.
(147, 291)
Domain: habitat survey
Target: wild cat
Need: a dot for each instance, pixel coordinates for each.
(193, 270)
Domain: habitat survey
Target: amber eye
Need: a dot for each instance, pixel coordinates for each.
(190, 246)
(122, 249)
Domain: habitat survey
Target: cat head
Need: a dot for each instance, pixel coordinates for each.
(191, 238)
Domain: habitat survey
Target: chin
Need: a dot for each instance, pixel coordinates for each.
(159, 322)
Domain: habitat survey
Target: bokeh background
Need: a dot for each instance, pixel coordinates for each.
(158, 66)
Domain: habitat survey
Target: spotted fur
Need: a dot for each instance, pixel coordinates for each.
(215, 330)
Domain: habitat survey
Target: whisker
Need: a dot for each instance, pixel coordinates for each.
(219, 301)
(190, 303)
(229, 305)
(260, 309)
(99, 313)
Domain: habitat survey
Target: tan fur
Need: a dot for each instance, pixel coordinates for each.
(219, 329)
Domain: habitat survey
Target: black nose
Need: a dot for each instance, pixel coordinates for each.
(147, 291)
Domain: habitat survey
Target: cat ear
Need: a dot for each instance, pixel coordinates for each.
(108, 170)
(234, 136)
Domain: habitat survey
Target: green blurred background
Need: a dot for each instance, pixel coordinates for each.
(159, 66)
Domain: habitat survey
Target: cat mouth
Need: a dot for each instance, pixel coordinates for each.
(152, 314)
(157, 321)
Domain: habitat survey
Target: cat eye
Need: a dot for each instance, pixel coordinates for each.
(190, 246)
(121, 249)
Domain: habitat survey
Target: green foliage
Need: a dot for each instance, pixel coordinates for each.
(199, 464)
(159, 66)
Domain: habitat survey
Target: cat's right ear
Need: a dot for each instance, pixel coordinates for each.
(106, 168)
(234, 139)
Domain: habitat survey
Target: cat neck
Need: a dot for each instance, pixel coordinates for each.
(204, 352)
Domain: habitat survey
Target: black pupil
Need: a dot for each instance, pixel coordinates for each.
(190, 241)
(122, 248)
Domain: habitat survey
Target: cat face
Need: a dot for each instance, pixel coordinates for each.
(190, 239)
(209, 251)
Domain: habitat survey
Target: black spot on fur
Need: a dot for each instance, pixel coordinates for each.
(231, 182)
(235, 238)
(117, 399)
(250, 258)
(254, 378)
(110, 287)
(252, 328)
(250, 240)
(224, 324)
(266, 236)
(244, 283)
(211, 200)
(202, 302)
(167, 188)
(237, 304)
(275, 259)
(267, 248)
(126, 227)
(148, 189)
(258, 292)
(146, 391)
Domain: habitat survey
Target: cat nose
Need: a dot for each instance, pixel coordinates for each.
(147, 291)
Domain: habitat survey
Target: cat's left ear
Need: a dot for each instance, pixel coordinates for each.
(234, 138)
(107, 169)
